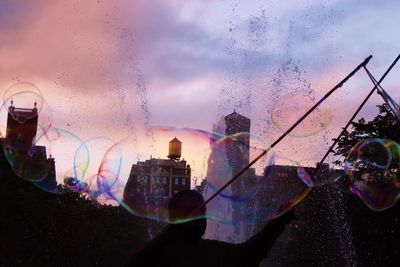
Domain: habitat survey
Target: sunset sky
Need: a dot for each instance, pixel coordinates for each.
(113, 68)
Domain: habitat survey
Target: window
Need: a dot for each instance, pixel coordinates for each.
(164, 180)
(183, 181)
(142, 178)
(176, 181)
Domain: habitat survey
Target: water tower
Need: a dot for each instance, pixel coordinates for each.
(175, 149)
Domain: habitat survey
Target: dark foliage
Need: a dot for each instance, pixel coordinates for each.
(42, 229)
(385, 126)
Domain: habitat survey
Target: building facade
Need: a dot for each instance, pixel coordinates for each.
(152, 183)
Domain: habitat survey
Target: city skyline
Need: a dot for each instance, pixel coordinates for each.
(108, 69)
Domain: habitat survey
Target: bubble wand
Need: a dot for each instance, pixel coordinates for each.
(340, 84)
(376, 85)
(394, 107)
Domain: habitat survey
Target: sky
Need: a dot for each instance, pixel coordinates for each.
(111, 69)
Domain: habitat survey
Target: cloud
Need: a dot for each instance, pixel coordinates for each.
(88, 56)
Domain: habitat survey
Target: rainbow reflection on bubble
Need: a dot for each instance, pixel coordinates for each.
(98, 167)
(307, 172)
(97, 164)
(250, 199)
(288, 109)
(373, 169)
(155, 179)
(61, 146)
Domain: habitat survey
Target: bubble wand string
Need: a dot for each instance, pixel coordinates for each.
(340, 84)
(394, 107)
(318, 167)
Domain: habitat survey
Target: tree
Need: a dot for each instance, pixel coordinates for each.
(38, 228)
(375, 234)
(384, 126)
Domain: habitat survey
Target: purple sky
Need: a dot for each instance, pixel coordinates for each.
(111, 68)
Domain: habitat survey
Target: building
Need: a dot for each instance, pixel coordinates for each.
(153, 182)
(20, 154)
(238, 155)
(226, 159)
(21, 126)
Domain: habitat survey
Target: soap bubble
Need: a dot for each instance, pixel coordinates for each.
(155, 178)
(61, 147)
(373, 169)
(152, 179)
(263, 192)
(315, 177)
(228, 156)
(97, 164)
(289, 108)
(21, 87)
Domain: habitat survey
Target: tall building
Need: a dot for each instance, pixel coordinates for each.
(238, 155)
(21, 126)
(238, 152)
(20, 154)
(153, 182)
(227, 158)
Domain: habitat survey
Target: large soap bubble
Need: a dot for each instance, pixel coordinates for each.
(22, 87)
(151, 177)
(289, 108)
(373, 169)
(248, 199)
(263, 192)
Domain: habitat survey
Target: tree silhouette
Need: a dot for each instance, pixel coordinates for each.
(42, 229)
(385, 125)
(375, 235)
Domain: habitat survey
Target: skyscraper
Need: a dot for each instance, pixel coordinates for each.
(238, 154)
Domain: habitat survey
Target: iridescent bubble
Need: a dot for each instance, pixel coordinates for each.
(229, 155)
(282, 189)
(103, 169)
(315, 177)
(73, 184)
(154, 173)
(373, 169)
(61, 146)
(289, 108)
(110, 168)
(21, 87)
(25, 126)
(153, 178)
(263, 192)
